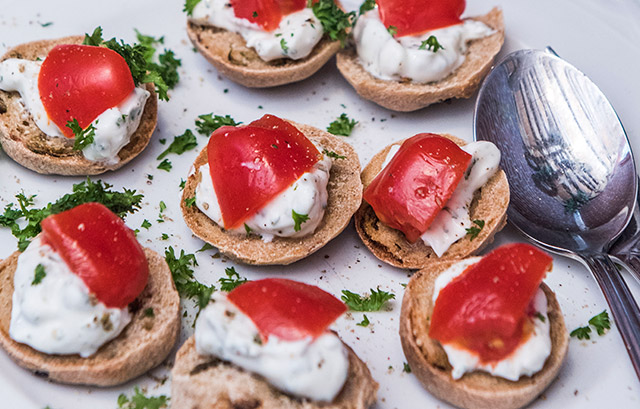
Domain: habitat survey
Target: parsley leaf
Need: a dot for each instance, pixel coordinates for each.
(393, 30)
(39, 275)
(165, 165)
(167, 64)
(190, 201)
(473, 231)
(284, 46)
(342, 125)
(139, 401)
(581, 333)
(83, 138)
(247, 229)
(205, 247)
(431, 44)
(540, 317)
(332, 154)
(164, 236)
(148, 312)
(207, 123)
(180, 144)
(406, 368)
(232, 280)
(145, 224)
(601, 322)
(373, 302)
(189, 5)
(95, 38)
(335, 22)
(298, 219)
(365, 321)
(182, 273)
(367, 5)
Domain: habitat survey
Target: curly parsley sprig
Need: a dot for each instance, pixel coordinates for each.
(342, 125)
(207, 123)
(83, 137)
(189, 5)
(600, 323)
(182, 273)
(373, 302)
(335, 22)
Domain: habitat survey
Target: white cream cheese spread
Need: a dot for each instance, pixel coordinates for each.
(306, 196)
(57, 314)
(294, 38)
(315, 369)
(389, 58)
(527, 359)
(113, 128)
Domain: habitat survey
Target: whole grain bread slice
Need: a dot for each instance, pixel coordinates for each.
(229, 54)
(345, 194)
(205, 382)
(490, 204)
(142, 345)
(408, 96)
(477, 390)
(25, 143)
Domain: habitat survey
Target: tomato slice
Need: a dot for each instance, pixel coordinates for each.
(250, 165)
(484, 309)
(81, 82)
(417, 183)
(288, 309)
(100, 249)
(266, 13)
(415, 17)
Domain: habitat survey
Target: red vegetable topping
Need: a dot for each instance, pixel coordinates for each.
(288, 309)
(417, 183)
(485, 309)
(100, 249)
(252, 164)
(415, 17)
(81, 82)
(266, 13)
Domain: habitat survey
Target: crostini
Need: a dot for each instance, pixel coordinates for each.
(427, 207)
(408, 56)
(265, 44)
(484, 332)
(58, 117)
(271, 192)
(266, 344)
(85, 303)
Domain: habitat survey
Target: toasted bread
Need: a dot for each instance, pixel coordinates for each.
(345, 195)
(391, 246)
(229, 54)
(25, 143)
(142, 345)
(407, 96)
(205, 382)
(477, 390)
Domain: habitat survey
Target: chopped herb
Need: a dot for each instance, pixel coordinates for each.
(581, 333)
(540, 317)
(182, 272)
(393, 30)
(47, 24)
(180, 144)
(145, 224)
(164, 236)
(406, 368)
(83, 137)
(39, 275)
(335, 22)
(247, 228)
(342, 126)
(183, 183)
(473, 231)
(365, 321)
(148, 312)
(298, 219)
(431, 44)
(165, 165)
(601, 322)
(189, 5)
(332, 154)
(149, 177)
(274, 146)
(232, 280)
(139, 401)
(120, 203)
(367, 5)
(163, 206)
(284, 46)
(373, 302)
(255, 14)
(190, 201)
(95, 38)
(162, 141)
(205, 247)
(207, 123)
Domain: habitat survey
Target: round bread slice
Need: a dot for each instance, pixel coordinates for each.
(477, 390)
(228, 52)
(25, 143)
(490, 204)
(199, 382)
(345, 194)
(408, 96)
(142, 345)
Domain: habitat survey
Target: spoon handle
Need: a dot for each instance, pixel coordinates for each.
(626, 313)
(632, 263)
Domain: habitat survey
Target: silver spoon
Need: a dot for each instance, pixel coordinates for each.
(570, 168)
(626, 248)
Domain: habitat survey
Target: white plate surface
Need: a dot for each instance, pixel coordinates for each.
(600, 37)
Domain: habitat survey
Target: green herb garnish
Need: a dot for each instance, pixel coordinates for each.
(139, 401)
(182, 272)
(165, 165)
(431, 44)
(180, 144)
(190, 201)
(207, 123)
(232, 280)
(335, 22)
(581, 333)
(473, 231)
(284, 46)
(189, 5)
(366, 6)
(406, 368)
(205, 247)
(373, 302)
(145, 224)
(39, 275)
(601, 322)
(332, 154)
(298, 219)
(342, 125)
(83, 137)
(365, 321)
(393, 30)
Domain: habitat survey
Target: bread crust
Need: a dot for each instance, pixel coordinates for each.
(25, 143)
(202, 382)
(345, 194)
(229, 54)
(407, 96)
(490, 204)
(477, 390)
(142, 345)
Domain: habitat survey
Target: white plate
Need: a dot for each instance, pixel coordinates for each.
(600, 37)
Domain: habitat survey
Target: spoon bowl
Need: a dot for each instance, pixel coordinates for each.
(570, 168)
